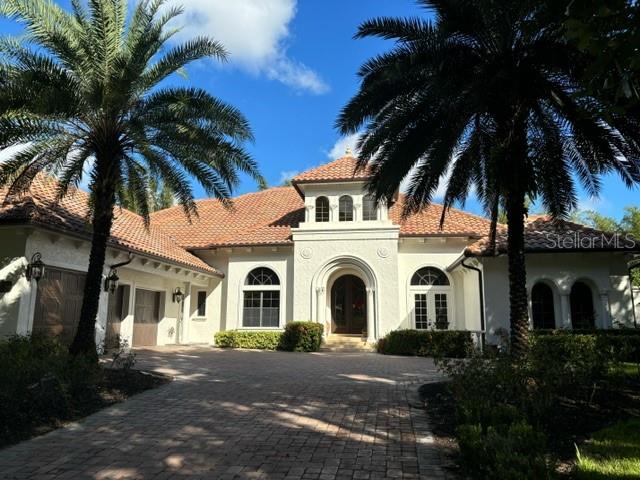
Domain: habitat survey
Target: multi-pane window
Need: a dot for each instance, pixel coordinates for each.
(429, 276)
(261, 303)
(542, 307)
(441, 311)
(421, 311)
(369, 208)
(431, 290)
(322, 209)
(345, 209)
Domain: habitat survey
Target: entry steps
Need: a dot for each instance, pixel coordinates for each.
(346, 344)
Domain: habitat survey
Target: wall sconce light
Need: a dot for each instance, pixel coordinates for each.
(178, 295)
(111, 282)
(35, 268)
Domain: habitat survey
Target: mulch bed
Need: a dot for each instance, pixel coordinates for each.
(116, 386)
(573, 422)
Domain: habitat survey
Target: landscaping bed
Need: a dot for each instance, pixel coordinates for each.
(504, 418)
(43, 387)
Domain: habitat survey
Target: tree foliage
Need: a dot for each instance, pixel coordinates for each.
(492, 92)
(91, 89)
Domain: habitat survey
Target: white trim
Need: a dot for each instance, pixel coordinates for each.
(431, 290)
(261, 288)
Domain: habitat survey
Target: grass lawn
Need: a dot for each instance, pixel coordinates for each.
(611, 453)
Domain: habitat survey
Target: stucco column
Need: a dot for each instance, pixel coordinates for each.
(357, 212)
(606, 310)
(320, 308)
(185, 320)
(311, 218)
(333, 208)
(371, 315)
(565, 311)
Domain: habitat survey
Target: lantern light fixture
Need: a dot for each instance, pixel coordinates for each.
(178, 295)
(35, 268)
(111, 282)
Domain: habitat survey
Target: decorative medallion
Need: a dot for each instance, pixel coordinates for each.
(306, 253)
(383, 252)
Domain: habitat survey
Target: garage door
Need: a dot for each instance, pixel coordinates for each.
(147, 316)
(58, 303)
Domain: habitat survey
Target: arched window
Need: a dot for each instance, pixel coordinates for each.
(429, 276)
(345, 209)
(431, 291)
(582, 312)
(261, 303)
(369, 208)
(542, 307)
(322, 209)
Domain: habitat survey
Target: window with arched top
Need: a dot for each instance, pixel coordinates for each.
(345, 209)
(429, 276)
(261, 299)
(322, 209)
(542, 307)
(432, 299)
(369, 208)
(583, 314)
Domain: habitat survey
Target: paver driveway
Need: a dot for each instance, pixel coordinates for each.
(246, 414)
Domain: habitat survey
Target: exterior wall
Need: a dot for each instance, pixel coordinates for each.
(12, 266)
(605, 273)
(636, 299)
(69, 253)
(440, 253)
(236, 264)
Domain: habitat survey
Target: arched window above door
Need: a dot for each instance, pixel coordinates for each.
(429, 276)
(369, 208)
(345, 209)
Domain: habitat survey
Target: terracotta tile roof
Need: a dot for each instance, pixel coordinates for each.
(342, 169)
(266, 218)
(542, 234)
(38, 207)
(260, 218)
(427, 222)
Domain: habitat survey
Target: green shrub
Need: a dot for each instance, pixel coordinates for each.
(510, 452)
(301, 337)
(41, 384)
(427, 343)
(254, 339)
(620, 344)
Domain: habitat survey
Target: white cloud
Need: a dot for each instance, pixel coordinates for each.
(287, 175)
(255, 33)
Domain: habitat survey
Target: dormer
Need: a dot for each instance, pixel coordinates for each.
(335, 197)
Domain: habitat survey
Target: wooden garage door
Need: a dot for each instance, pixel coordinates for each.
(147, 316)
(58, 304)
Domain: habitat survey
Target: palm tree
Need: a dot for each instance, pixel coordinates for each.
(488, 92)
(88, 88)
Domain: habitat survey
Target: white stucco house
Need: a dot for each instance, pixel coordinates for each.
(319, 250)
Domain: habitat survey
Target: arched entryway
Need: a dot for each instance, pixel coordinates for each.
(348, 305)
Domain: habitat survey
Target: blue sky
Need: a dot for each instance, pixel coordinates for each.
(293, 66)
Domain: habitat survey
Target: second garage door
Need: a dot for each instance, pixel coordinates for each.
(146, 318)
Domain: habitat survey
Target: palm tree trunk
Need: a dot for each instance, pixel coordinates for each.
(104, 193)
(518, 301)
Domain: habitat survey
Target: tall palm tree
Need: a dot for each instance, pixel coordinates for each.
(88, 88)
(488, 92)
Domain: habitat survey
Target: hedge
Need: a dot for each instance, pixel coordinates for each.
(427, 343)
(302, 337)
(296, 337)
(622, 345)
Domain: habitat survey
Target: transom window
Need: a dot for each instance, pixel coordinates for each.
(369, 208)
(345, 209)
(261, 299)
(429, 276)
(262, 276)
(322, 209)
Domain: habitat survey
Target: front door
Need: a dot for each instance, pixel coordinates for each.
(349, 305)
(146, 318)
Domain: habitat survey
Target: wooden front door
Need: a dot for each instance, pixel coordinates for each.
(146, 318)
(349, 305)
(58, 304)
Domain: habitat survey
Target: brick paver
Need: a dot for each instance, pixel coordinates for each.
(250, 415)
